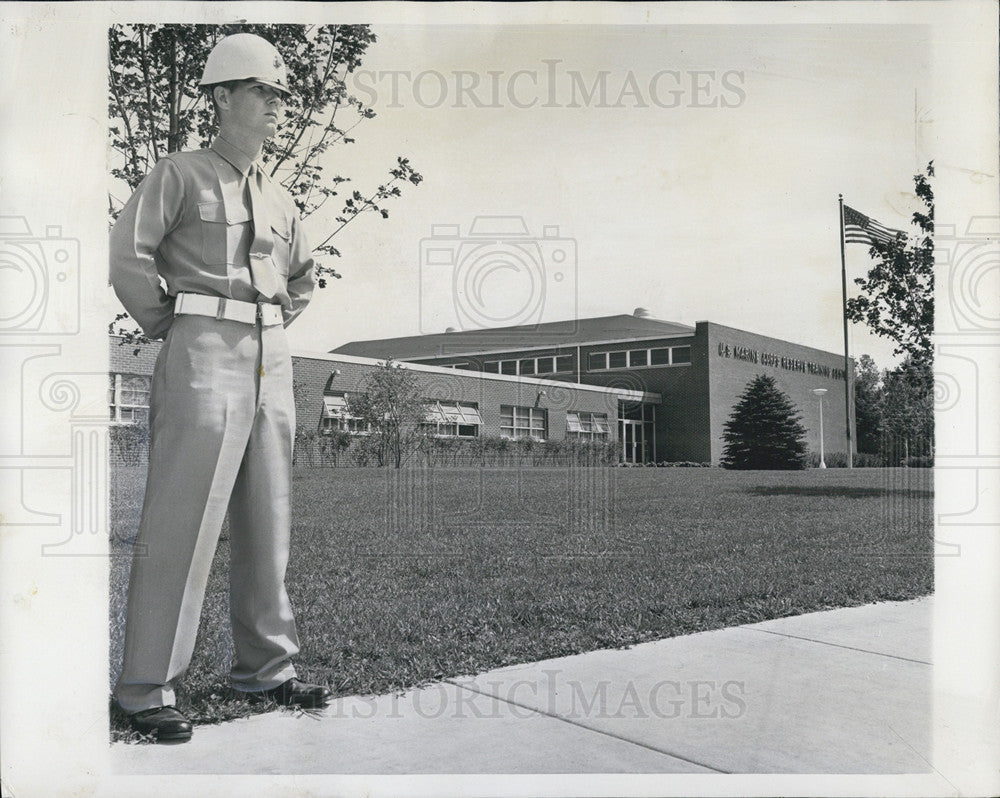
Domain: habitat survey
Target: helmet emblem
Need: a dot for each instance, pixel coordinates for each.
(277, 61)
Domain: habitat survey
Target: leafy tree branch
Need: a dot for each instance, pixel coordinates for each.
(156, 107)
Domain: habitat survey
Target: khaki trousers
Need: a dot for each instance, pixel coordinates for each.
(222, 421)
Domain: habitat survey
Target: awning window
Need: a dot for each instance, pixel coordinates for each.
(453, 413)
(335, 407)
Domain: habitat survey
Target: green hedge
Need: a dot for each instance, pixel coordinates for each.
(341, 449)
(867, 460)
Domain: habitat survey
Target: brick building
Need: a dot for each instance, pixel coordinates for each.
(699, 372)
(662, 391)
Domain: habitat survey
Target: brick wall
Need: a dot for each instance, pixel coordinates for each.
(314, 374)
(682, 419)
(124, 360)
(735, 357)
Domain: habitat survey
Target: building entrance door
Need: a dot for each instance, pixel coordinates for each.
(636, 431)
(632, 441)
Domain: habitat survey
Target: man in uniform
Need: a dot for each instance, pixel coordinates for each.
(209, 252)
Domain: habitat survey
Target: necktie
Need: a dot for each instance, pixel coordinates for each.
(262, 271)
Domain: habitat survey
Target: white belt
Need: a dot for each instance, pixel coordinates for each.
(231, 309)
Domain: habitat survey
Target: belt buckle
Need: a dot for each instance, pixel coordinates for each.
(220, 313)
(260, 312)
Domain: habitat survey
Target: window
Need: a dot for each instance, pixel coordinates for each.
(641, 358)
(607, 360)
(529, 365)
(523, 422)
(635, 411)
(587, 425)
(337, 416)
(452, 419)
(659, 357)
(638, 357)
(128, 398)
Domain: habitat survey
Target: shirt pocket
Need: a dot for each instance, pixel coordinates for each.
(222, 230)
(281, 230)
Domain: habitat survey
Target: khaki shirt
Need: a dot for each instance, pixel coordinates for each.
(190, 223)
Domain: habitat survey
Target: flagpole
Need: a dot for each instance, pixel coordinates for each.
(847, 362)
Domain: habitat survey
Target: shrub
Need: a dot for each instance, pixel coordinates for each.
(364, 450)
(866, 460)
(331, 445)
(129, 443)
(832, 459)
(302, 452)
(861, 460)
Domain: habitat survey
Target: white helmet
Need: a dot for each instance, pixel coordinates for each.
(244, 56)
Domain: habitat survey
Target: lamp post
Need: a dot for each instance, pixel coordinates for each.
(819, 392)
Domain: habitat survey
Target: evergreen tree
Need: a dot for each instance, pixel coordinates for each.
(764, 431)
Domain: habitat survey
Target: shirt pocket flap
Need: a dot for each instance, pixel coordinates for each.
(282, 226)
(237, 213)
(216, 211)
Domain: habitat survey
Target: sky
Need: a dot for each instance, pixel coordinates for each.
(702, 184)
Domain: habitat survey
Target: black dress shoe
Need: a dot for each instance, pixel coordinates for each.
(166, 723)
(295, 693)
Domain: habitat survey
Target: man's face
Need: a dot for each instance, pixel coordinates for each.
(253, 108)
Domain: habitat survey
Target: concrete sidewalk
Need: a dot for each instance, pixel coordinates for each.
(843, 691)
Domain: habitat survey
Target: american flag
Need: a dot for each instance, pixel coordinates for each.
(861, 229)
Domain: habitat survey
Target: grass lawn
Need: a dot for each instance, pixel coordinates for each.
(400, 577)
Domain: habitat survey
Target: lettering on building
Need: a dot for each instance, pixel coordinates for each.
(748, 355)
